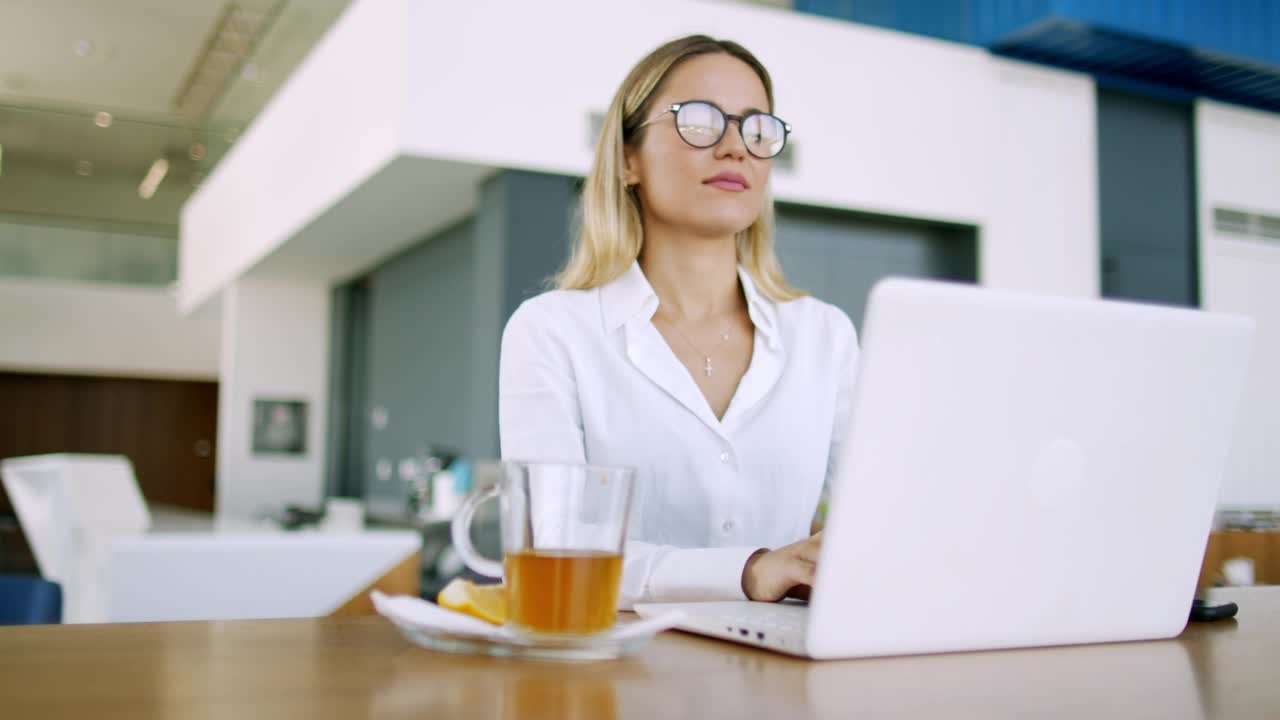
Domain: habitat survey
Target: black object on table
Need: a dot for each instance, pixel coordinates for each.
(1203, 611)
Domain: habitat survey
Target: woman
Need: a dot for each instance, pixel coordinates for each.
(674, 345)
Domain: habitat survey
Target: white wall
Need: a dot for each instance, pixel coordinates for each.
(332, 125)
(275, 345)
(1040, 231)
(1238, 159)
(104, 330)
(884, 121)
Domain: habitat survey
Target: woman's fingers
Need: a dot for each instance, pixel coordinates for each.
(780, 573)
(808, 552)
(802, 571)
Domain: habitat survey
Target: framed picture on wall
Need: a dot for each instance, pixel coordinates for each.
(279, 427)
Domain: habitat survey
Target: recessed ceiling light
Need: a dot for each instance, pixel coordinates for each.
(155, 174)
(83, 48)
(84, 168)
(102, 119)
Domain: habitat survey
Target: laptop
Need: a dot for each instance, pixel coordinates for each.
(1019, 471)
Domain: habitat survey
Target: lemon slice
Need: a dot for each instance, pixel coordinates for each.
(487, 602)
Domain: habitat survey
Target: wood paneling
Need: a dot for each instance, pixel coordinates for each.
(167, 428)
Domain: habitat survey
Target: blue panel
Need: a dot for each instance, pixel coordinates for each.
(1225, 49)
(1249, 29)
(1159, 67)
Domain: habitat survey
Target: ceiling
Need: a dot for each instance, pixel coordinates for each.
(179, 78)
(145, 63)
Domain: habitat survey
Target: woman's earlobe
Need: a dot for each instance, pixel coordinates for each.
(630, 177)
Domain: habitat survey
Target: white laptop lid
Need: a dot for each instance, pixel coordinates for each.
(1023, 470)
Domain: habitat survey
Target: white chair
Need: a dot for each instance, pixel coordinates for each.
(71, 508)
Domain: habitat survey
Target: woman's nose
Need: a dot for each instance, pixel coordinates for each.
(731, 142)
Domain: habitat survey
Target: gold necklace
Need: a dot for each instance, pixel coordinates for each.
(707, 368)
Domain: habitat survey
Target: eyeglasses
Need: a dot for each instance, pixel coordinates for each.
(702, 124)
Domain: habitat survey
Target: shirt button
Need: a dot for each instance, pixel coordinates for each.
(727, 526)
(724, 456)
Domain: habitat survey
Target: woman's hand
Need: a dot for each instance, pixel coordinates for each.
(771, 575)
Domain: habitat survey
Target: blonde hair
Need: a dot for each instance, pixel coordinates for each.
(611, 232)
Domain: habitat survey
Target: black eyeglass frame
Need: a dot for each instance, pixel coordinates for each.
(674, 109)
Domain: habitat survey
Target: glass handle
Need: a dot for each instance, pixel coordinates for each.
(460, 531)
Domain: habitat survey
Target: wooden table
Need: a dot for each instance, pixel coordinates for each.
(361, 668)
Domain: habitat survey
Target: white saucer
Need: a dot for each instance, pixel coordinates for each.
(603, 646)
(436, 628)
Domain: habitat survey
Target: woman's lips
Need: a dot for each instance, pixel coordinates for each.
(727, 181)
(726, 185)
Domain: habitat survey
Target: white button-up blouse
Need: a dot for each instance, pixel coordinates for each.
(586, 377)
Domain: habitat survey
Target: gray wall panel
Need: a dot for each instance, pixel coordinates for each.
(839, 256)
(421, 320)
(1146, 201)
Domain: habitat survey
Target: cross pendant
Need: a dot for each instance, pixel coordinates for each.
(707, 369)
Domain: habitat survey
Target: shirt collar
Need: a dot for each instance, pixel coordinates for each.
(763, 311)
(631, 297)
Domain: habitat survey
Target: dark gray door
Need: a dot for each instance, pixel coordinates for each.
(433, 320)
(1146, 199)
(419, 385)
(838, 256)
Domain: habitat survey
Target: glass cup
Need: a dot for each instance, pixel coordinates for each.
(563, 527)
